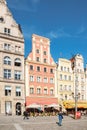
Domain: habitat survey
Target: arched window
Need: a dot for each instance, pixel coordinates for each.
(7, 60)
(17, 62)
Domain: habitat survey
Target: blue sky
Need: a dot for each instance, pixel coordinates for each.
(64, 22)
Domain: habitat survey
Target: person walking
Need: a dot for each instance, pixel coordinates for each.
(60, 117)
(25, 113)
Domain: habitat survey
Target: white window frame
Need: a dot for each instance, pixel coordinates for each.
(7, 73)
(17, 75)
(7, 60)
(31, 78)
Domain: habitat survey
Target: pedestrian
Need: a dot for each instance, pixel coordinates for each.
(60, 117)
(25, 114)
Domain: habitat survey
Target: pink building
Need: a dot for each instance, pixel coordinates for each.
(40, 74)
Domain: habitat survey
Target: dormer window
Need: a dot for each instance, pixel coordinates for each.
(7, 31)
(7, 46)
(1, 19)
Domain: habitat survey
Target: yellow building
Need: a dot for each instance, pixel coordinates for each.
(64, 80)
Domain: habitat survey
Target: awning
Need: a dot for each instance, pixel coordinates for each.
(70, 105)
(53, 105)
(34, 105)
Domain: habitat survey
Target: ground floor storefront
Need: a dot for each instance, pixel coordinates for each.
(70, 106)
(41, 105)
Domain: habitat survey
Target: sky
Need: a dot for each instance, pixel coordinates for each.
(64, 22)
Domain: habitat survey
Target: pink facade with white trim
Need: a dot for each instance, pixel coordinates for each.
(40, 73)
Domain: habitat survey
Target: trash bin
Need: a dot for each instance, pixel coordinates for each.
(77, 115)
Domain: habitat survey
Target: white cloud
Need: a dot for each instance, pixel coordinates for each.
(81, 30)
(58, 33)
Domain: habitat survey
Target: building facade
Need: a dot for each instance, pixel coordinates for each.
(12, 96)
(64, 80)
(40, 74)
(72, 82)
(79, 76)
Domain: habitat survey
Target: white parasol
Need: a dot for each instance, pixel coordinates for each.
(34, 105)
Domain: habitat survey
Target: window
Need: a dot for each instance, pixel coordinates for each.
(45, 60)
(61, 68)
(17, 48)
(6, 46)
(60, 76)
(38, 68)
(7, 31)
(18, 91)
(65, 97)
(64, 68)
(65, 77)
(45, 80)
(51, 70)
(76, 78)
(51, 91)
(37, 59)
(37, 51)
(70, 78)
(45, 69)
(31, 78)
(8, 107)
(65, 87)
(45, 91)
(61, 87)
(7, 91)
(38, 91)
(1, 19)
(51, 80)
(31, 90)
(78, 70)
(31, 67)
(69, 87)
(17, 75)
(7, 60)
(7, 73)
(38, 79)
(17, 62)
(44, 52)
(68, 69)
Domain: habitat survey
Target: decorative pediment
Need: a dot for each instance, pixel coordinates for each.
(3, 1)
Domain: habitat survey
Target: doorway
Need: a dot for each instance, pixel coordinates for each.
(18, 108)
(8, 108)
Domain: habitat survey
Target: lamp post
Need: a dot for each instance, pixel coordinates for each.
(76, 97)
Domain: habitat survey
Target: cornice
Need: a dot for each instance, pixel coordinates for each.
(10, 37)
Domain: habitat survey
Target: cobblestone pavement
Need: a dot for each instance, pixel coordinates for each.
(42, 123)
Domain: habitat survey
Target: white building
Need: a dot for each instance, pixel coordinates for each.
(79, 76)
(12, 95)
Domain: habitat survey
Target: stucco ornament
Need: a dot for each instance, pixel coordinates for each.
(3, 1)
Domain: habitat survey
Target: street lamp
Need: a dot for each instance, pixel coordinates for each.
(76, 96)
